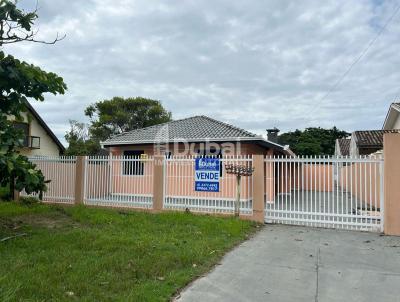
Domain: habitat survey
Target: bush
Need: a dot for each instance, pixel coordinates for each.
(4, 193)
(29, 200)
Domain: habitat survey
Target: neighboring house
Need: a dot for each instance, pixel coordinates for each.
(38, 139)
(342, 147)
(367, 142)
(392, 120)
(192, 136)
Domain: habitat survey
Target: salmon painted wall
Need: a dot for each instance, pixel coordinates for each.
(363, 180)
(180, 148)
(180, 179)
(318, 177)
(180, 182)
(61, 176)
(132, 184)
(296, 176)
(97, 179)
(180, 175)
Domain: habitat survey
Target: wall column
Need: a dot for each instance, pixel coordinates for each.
(80, 179)
(158, 183)
(258, 188)
(391, 151)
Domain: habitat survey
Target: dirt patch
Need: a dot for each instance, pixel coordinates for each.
(50, 221)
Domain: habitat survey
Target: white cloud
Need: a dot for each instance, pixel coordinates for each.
(255, 64)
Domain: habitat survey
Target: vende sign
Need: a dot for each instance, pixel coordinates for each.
(206, 176)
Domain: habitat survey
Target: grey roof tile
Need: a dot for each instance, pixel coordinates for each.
(192, 128)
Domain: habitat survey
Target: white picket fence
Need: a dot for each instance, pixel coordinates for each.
(180, 194)
(61, 171)
(119, 181)
(339, 192)
(314, 191)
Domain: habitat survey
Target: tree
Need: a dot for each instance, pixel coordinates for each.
(79, 141)
(312, 141)
(111, 117)
(18, 82)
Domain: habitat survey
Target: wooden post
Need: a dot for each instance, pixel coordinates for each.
(80, 179)
(158, 183)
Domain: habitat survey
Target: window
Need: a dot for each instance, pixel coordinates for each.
(24, 129)
(135, 166)
(34, 142)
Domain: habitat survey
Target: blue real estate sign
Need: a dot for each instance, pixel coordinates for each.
(206, 174)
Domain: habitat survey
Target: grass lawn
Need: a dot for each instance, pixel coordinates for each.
(88, 254)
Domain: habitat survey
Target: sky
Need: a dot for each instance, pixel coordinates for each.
(254, 64)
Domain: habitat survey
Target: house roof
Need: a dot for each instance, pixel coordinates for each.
(344, 146)
(45, 127)
(371, 138)
(192, 129)
(391, 116)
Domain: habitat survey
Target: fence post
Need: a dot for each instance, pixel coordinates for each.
(158, 183)
(80, 179)
(258, 188)
(391, 211)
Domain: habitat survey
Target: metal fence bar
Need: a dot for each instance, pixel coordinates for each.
(180, 192)
(119, 181)
(339, 192)
(60, 171)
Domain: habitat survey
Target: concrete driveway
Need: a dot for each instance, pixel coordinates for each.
(288, 263)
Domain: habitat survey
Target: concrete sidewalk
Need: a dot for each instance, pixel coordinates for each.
(288, 263)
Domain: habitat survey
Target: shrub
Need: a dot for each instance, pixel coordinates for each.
(4, 193)
(29, 200)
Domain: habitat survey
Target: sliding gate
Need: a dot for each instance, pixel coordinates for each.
(336, 192)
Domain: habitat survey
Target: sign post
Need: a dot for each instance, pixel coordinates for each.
(207, 174)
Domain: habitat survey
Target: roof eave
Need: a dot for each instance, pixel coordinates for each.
(393, 107)
(226, 139)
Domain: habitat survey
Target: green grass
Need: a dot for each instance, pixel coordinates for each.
(88, 254)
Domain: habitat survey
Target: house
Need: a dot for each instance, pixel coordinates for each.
(392, 120)
(367, 141)
(342, 147)
(38, 139)
(198, 135)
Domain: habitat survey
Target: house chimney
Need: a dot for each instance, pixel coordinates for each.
(272, 134)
